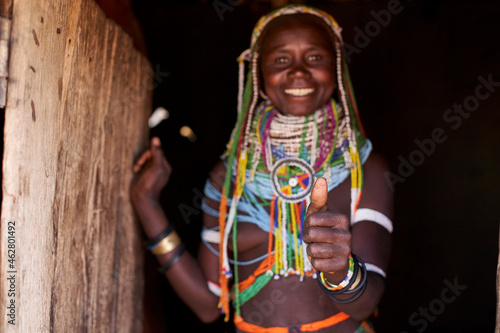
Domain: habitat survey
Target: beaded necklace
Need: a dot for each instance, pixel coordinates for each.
(299, 150)
(290, 152)
(277, 158)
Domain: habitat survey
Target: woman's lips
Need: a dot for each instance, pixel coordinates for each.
(299, 92)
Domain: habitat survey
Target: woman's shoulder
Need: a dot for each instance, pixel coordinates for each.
(376, 163)
(377, 193)
(218, 175)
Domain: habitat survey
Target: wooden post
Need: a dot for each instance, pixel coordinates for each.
(78, 99)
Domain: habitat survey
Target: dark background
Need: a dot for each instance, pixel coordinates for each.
(427, 59)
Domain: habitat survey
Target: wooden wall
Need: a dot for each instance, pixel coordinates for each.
(78, 100)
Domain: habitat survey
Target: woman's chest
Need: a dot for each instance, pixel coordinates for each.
(254, 240)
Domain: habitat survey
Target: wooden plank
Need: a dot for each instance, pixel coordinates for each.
(77, 107)
(6, 8)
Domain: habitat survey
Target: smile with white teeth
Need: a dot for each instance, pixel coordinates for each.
(298, 92)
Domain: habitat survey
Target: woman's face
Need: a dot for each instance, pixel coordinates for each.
(298, 66)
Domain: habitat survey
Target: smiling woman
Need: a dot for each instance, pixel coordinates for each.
(298, 64)
(288, 239)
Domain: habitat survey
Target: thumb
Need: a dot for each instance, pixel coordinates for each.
(319, 197)
(155, 142)
(158, 155)
(156, 149)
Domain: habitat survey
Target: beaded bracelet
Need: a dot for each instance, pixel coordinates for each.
(347, 287)
(359, 288)
(332, 287)
(364, 276)
(152, 242)
(175, 257)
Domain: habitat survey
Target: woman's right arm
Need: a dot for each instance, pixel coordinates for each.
(187, 277)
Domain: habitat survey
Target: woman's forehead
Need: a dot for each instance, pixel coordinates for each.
(317, 31)
(288, 12)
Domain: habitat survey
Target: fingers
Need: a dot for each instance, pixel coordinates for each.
(154, 155)
(327, 251)
(158, 156)
(320, 222)
(331, 219)
(143, 159)
(319, 197)
(330, 265)
(330, 252)
(328, 233)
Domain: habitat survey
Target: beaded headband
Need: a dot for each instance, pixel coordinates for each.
(290, 10)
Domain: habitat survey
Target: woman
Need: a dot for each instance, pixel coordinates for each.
(288, 238)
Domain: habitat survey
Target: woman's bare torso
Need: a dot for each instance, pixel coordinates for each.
(287, 301)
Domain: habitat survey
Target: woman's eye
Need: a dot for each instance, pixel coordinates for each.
(314, 57)
(281, 60)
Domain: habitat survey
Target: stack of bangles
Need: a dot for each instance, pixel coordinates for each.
(354, 282)
(165, 242)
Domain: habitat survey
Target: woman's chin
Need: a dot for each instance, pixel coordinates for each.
(298, 109)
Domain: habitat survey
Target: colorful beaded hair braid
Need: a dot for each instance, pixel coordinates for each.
(239, 145)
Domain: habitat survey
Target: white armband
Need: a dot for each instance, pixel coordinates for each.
(211, 236)
(375, 269)
(214, 288)
(366, 214)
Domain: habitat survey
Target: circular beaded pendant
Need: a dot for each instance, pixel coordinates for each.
(292, 179)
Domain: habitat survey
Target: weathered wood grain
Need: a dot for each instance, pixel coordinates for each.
(78, 100)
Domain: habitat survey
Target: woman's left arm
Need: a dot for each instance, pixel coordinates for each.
(332, 237)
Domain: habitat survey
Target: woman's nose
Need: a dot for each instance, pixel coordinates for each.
(299, 70)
